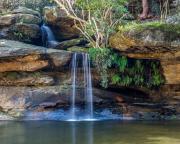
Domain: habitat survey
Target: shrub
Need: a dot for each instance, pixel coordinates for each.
(128, 72)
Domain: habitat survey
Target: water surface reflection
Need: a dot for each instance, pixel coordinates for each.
(99, 132)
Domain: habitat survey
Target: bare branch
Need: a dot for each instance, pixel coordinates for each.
(94, 25)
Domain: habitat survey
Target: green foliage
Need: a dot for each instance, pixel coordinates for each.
(117, 5)
(120, 61)
(127, 72)
(36, 74)
(103, 60)
(77, 49)
(21, 36)
(11, 75)
(156, 76)
(116, 79)
(102, 19)
(37, 4)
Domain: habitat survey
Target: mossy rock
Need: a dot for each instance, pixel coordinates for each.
(78, 49)
(150, 34)
(28, 19)
(151, 25)
(70, 43)
(24, 10)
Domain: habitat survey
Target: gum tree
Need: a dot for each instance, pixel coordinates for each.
(96, 19)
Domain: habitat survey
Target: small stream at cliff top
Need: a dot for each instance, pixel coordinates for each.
(48, 38)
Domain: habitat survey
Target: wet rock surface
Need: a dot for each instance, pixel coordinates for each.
(62, 26)
(17, 102)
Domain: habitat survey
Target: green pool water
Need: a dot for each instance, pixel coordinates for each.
(99, 132)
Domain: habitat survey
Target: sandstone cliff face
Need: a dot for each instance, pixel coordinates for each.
(152, 43)
(35, 78)
(17, 56)
(156, 43)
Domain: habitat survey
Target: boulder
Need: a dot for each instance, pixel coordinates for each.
(10, 19)
(51, 14)
(24, 10)
(28, 31)
(78, 49)
(59, 59)
(70, 43)
(28, 19)
(19, 28)
(62, 26)
(151, 40)
(18, 56)
(21, 24)
(7, 20)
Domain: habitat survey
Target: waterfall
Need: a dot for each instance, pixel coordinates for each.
(87, 80)
(73, 75)
(48, 38)
(88, 86)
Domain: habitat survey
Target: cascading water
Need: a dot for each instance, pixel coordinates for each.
(73, 75)
(87, 86)
(48, 38)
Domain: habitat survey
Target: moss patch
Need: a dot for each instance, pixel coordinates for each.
(78, 49)
(150, 25)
